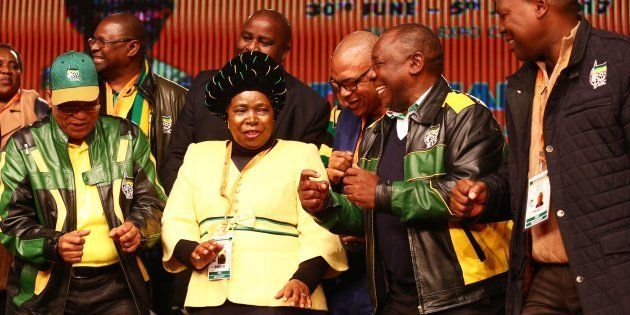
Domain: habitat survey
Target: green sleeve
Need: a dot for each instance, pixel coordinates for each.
(340, 216)
(23, 235)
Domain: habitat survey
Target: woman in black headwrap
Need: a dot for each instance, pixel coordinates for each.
(234, 216)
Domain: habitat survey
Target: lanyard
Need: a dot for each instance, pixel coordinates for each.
(355, 157)
(227, 225)
(542, 95)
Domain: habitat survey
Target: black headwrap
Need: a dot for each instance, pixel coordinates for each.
(249, 71)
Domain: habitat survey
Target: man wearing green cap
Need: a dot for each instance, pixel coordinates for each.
(78, 200)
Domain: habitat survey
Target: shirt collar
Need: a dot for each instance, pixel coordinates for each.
(411, 109)
(566, 46)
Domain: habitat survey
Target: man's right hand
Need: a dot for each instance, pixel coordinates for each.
(204, 254)
(338, 163)
(312, 194)
(468, 198)
(70, 246)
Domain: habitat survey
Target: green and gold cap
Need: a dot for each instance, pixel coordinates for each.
(73, 78)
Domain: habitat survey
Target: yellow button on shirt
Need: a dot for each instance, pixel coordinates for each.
(99, 249)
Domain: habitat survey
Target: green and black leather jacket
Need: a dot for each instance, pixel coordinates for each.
(38, 205)
(451, 136)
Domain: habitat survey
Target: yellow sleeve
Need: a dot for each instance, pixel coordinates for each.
(314, 239)
(180, 219)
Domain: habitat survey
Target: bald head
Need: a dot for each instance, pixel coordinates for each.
(410, 38)
(350, 64)
(355, 48)
(131, 26)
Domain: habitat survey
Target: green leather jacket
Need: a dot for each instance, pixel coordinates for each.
(451, 136)
(38, 205)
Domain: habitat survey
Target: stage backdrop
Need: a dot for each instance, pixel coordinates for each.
(191, 35)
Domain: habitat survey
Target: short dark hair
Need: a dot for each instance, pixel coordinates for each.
(420, 38)
(133, 26)
(277, 17)
(17, 54)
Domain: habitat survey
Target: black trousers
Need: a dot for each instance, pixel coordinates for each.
(488, 306)
(100, 293)
(552, 291)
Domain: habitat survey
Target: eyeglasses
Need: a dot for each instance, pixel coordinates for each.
(100, 43)
(348, 84)
(68, 109)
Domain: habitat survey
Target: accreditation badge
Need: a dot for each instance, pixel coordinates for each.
(538, 197)
(221, 267)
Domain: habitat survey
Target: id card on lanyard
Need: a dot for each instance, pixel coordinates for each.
(538, 198)
(221, 267)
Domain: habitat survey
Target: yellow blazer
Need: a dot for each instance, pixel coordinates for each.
(268, 245)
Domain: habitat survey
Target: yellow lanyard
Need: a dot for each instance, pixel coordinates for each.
(227, 225)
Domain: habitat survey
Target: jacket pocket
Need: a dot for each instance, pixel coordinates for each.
(588, 105)
(616, 242)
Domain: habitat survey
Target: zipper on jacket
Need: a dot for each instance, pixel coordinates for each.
(372, 219)
(474, 243)
(111, 225)
(416, 272)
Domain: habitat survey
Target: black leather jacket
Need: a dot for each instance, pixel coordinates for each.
(451, 136)
(39, 205)
(167, 99)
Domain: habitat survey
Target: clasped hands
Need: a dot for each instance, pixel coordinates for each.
(359, 184)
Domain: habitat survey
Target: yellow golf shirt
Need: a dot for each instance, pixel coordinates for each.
(99, 249)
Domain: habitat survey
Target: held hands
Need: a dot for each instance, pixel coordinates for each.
(312, 193)
(128, 236)
(468, 198)
(339, 162)
(360, 186)
(297, 292)
(70, 246)
(205, 253)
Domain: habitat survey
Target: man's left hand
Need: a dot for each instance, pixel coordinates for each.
(360, 186)
(128, 236)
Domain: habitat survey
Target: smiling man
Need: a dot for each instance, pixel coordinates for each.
(358, 95)
(80, 200)
(350, 64)
(420, 258)
(128, 87)
(18, 107)
(568, 114)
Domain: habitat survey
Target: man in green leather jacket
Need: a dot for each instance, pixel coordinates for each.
(420, 258)
(78, 200)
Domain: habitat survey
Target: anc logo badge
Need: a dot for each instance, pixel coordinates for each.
(598, 75)
(127, 186)
(431, 137)
(167, 123)
(73, 75)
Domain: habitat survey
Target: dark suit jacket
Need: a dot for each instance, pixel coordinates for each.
(303, 118)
